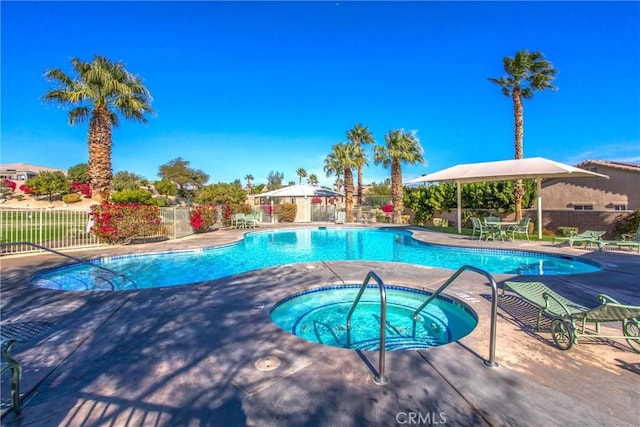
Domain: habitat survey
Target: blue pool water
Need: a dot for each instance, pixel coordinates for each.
(267, 249)
(319, 315)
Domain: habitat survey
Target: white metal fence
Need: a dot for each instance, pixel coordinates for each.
(68, 229)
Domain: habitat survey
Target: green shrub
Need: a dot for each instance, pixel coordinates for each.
(286, 212)
(567, 231)
(133, 196)
(71, 198)
(627, 223)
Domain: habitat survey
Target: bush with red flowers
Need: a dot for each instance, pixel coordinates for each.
(203, 218)
(387, 208)
(316, 200)
(82, 188)
(25, 189)
(120, 223)
(10, 184)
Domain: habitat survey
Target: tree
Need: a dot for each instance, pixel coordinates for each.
(347, 155)
(79, 173)
(187, 179)
(360, 136)
(274, 180)
(49, 183)
(302, 173)
(221, 193)
(99, 90)
(124, 180)
(402, 147)
(166, 187)
(249, 178)
(313, 179)
(527, 72)
(332, 166)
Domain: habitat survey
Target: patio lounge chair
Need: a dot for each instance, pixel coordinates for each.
(9, 363)
(626, 240)
(570, 319)
(341, 217)
(588, 236)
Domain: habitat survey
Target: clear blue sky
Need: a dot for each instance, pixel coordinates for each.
(252, 87)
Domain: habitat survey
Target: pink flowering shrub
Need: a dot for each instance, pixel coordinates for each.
(10, 184)
(25, 189)
(203, 217)
(316, 200)
(82, 188)
(121, 223)
(387, 208)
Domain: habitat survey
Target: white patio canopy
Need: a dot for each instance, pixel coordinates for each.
(301, 190)
(537, 168)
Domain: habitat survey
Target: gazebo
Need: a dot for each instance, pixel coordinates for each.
(302, 195)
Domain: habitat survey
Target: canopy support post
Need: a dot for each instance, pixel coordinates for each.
(459, 208)
(539, 191)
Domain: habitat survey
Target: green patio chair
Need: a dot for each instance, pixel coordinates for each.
(589, 237)
(570, 319)
(521, 228)
(479, 227)
(237, 220)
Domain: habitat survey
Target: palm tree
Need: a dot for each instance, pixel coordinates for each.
(98, 90)
(402, 147)
(302, 173)
(313, 179)
(346, 154)
(360, 136)
(527, 72)
(248, 177)
(332, 166)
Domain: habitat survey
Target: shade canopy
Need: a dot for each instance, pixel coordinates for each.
(537, 168)
(301, 190)
(506, 170)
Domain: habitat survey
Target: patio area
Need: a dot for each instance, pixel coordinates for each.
(190, 355)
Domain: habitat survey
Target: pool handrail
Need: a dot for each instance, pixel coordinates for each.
(494, 308)
(44, 248)
(380, 378)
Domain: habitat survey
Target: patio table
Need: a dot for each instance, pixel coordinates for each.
(500, 228)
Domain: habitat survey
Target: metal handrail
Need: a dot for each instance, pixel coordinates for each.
(44, 248)
(379, 379)
(494, 308)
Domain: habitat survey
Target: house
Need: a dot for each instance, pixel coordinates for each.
(621, 192)
(313, 203)
(591, 203)
(20, 172)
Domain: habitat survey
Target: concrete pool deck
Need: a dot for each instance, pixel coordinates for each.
(186, 355)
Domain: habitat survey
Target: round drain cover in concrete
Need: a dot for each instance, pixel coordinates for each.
(268, 363)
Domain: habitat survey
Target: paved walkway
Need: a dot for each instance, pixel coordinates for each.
(186, 355)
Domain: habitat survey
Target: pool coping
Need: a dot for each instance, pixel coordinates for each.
(215, 383)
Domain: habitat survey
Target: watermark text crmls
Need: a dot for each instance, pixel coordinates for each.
(421, 418)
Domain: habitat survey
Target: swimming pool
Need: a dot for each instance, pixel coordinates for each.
(319, 315)
(268, 249)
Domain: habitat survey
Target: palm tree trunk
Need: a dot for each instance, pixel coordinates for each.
(348, 194)
(100, 172)
(359, 200)
(518, 113)
(396, 191)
